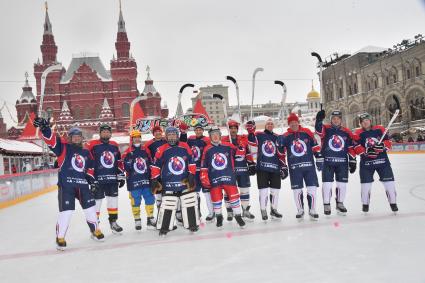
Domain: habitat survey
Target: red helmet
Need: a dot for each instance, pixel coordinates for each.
(156, 128)
(233, 123)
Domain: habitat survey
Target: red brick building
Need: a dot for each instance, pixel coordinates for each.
(86, 91)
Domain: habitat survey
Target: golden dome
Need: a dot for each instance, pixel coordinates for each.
(313, 94)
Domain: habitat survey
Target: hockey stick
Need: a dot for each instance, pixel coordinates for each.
(223, 101)
(389, 125)
(180, 95)
(282, 84)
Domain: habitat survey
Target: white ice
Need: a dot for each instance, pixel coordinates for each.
(378, 247)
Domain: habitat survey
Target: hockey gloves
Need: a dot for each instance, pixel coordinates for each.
(121, 180)
(321, 115)
(155, 186)
(93, 184)
(41, 123)
(352, 163)
(252, 168)
(319, 161)
(379, 147)
(283, 170)
(371, 153)
(250, 127)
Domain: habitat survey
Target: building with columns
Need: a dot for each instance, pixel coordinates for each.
(379, 81)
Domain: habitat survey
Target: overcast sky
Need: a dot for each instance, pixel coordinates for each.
(202, 41)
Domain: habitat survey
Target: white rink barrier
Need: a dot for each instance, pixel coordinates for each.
(15, 186)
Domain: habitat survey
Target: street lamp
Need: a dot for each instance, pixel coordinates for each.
(320, 66)
(282, 111)
(179, 110)
(253, 87)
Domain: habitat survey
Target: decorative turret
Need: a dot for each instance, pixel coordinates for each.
(106, 114)
(48, 47)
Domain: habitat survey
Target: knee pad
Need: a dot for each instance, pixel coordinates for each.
(167, 213)
(189, 208)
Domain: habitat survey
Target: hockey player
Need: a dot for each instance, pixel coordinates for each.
(217, 173)
(137, 162)
(197, 143)
(153, 145)
(374, 157)
(74, 179)
(174, 165)
(108, 171)
(271, 166)
(244, 167)
(339, 158)
(300, 145)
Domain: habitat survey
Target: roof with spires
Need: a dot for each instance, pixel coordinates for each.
(149, 87)
(92, 60)
(121, 22)
(47, 25)
(106, 112)
(27, 96)
(65, 115)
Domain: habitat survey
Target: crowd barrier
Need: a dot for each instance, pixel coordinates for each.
(408, 147)
(26, 185)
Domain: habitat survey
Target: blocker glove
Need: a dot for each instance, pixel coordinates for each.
(321, 115)
(284, 172)
(41, 123)
(252, 168)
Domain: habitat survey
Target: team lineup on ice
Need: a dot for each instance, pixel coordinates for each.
(172, 170)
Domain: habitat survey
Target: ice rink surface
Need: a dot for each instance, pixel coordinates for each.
(378, 247)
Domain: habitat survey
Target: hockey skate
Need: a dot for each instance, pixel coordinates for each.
(340, 208)
(365, 208)
(229, 214)
(327, 209)
(264, 215)
(313, 215)
(394, 207)
(138, 224)
(150, 223)
(274, 214)
(300, 215)
(219, 219)
(60, 244)
(194, 229)
(210, 218)
(116, 229)
(163, 232)
(240, 221)
(248, 215)
(97, 235)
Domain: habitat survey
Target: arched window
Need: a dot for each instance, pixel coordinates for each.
(125, 110)
(87, 113)
(391, 105)
(375, 111)
(417, 67)
(76, 112)
(354, 112)
(416, 104)
(96, 111)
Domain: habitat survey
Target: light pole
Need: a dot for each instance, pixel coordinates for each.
(253, 87)
(230, 78)
(179, 110)
(282, 111)
(320, 66)
(50, 69)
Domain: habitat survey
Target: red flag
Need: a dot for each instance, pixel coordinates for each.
(137, 113)
(199, 109)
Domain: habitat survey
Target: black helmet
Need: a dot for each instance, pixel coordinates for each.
(365, 116)
(214, 129)
(336, 113)
(105, 127)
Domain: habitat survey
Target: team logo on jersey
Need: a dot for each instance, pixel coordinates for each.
(336, 143)
(219, 161)
(176, 165)
(140, 165)
(196, 152)
(370, 142)
(107, 159)
(78, 162)
(268, 148)
(298, 148)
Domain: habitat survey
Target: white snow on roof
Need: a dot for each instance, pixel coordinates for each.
(371, 49)
(18, 146)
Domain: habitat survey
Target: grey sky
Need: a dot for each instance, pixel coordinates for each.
(202, 41)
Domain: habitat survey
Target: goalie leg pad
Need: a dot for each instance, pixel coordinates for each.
(167, 213)
(190, 212)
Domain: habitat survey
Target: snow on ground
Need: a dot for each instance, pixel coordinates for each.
(378, 247)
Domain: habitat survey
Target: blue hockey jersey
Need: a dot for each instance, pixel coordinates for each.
(137, 162)
(269, 157)
(197, 145)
